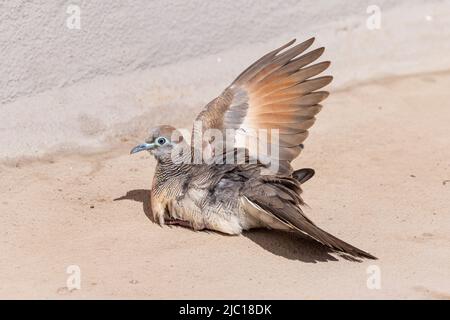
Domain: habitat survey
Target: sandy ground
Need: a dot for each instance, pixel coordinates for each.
(382, 156)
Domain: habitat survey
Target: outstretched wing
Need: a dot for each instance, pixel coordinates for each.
(278, 198)
(269, 108)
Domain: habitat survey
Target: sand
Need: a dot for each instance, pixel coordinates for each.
(381, 151)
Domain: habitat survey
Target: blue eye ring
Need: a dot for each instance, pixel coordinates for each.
(161, 141)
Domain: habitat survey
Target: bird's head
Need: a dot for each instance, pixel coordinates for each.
(162, 142)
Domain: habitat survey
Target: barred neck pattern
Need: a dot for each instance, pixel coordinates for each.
(170, 170)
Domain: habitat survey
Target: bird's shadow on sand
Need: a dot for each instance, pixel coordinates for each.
(291, 246)
(142, 196)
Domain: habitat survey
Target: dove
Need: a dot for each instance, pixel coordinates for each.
(222, 182)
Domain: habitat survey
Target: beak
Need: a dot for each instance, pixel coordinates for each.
(142, 147)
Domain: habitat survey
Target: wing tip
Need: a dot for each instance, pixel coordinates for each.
(321, 50)
(323, 64)
(290, 43)
(310, 41)
(327, 80)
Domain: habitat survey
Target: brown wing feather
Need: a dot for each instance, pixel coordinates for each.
(275, 92)
(280, 198)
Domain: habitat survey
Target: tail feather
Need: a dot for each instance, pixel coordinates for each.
(290, 215)
(335, 243)
(297, 222)
(303, 175)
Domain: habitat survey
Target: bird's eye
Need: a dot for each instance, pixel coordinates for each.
(161, 141)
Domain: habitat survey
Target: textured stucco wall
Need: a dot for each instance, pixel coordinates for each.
(39, 52)
(134, 64)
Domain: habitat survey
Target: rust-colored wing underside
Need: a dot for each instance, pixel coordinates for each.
(276, 92)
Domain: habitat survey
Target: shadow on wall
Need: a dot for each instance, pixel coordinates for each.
(291, 246)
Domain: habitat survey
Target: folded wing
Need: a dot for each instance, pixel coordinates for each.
(272, 198)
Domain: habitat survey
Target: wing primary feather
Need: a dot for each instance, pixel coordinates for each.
(281, 60)
(282, 81)
(260, 63)
(277, 91)
(298, 63)
(300, 89)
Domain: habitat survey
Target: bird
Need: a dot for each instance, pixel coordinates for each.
(220, 181)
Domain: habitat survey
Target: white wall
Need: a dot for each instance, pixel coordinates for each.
(78, 88)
